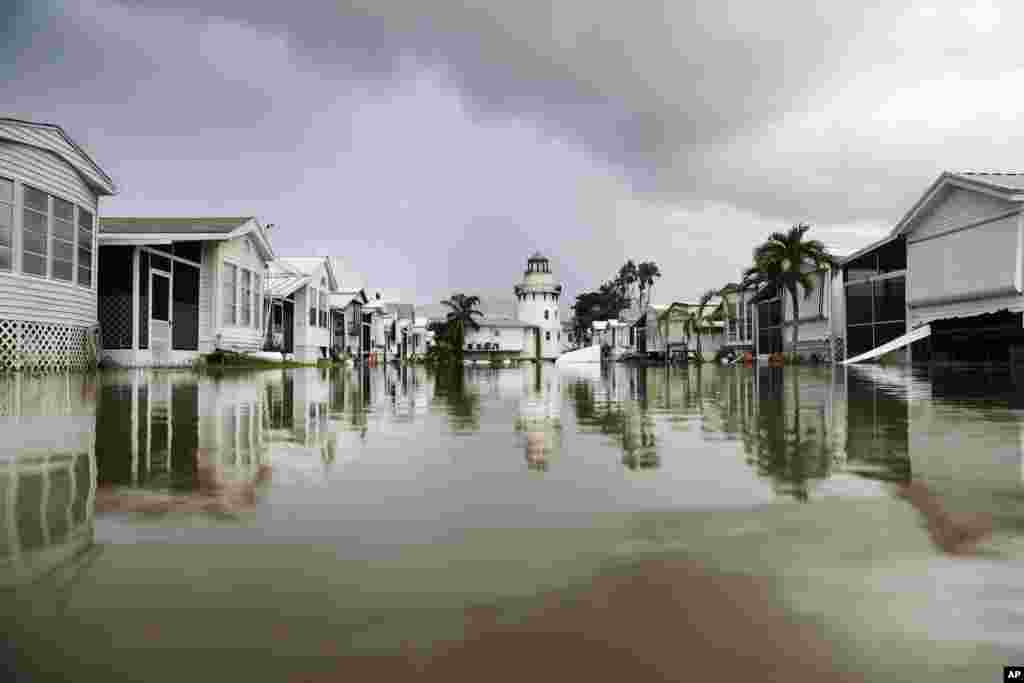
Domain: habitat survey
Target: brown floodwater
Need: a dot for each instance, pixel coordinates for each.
(651, 523)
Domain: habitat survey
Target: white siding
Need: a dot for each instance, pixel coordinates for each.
(207, 290)
(25, 297)
(234, 337)
(978, 262)
(50, 139)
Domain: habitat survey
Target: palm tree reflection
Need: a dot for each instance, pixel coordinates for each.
(461, 402)
(626, 420)
(781, 445)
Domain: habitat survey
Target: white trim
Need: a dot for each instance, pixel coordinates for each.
(187, 262)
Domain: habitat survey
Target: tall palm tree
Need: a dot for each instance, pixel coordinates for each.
(646, 273)
(463, 309)
(780, 262)
(695, 323)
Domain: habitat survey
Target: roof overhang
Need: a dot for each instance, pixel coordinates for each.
(250, 227)
(892, 237)
(281, 290)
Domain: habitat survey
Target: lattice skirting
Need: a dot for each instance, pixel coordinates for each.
(45, 347)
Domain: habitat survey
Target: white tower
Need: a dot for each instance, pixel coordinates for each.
(537, 304)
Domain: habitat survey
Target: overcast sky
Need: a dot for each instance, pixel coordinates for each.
(435, 144)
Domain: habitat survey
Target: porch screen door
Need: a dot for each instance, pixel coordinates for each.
(185, 313)
(160, 315)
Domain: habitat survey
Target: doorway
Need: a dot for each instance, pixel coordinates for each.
(160, 314)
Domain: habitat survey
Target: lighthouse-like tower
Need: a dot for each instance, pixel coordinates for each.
(537, 304)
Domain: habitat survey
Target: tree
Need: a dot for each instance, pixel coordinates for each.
(646, 273)
(463, 309)
(780, 262)
(627, 279)
(695, 323)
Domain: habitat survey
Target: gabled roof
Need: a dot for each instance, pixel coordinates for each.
(164, 230)
(348, 279)
(343, 298)
(308, 265)
(282, 281)
(1004, 185)
(52, 138)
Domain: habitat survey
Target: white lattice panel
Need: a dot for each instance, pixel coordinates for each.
(45, 347)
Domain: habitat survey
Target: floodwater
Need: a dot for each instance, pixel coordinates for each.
(864, 523)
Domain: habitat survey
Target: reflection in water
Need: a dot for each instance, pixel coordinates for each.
(356, 462)
(618, 406)
(459, 399)
(539, 419)
(790, 440)
(47, 473)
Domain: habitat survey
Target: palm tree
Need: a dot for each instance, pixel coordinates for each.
(780, 262)
(646, 273)
(463, 308)
(695, 323)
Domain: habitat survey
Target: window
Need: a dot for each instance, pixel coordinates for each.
(34, 219)
(246, 298)
(323, 310)
(546, 314)
(547, 336)
(85, 231)
(230, 294)
(497, 332)
(312, 307)
(6, 224)
(62, 266)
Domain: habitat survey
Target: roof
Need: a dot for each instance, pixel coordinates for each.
(164, 230)
(1003, 184)
(503, 322)
(343, 298)
(171, 226)
(282, 281)
(869, 248)
(537, 256)
(1010, 180)
(308, 265)
(348, 279)
(54, 139)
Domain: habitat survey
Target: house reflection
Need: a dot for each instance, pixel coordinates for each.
(809, 430)
(618, 404)
(539, 416)
(967, 441)
(47, 473)
(176, 442)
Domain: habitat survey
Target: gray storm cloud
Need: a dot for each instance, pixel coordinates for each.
(438, 142)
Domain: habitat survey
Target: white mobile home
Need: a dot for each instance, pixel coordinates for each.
(347, 317)
(954, 263)
(49, 198)
(306, 283)
(172, 289)
(774, 319)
